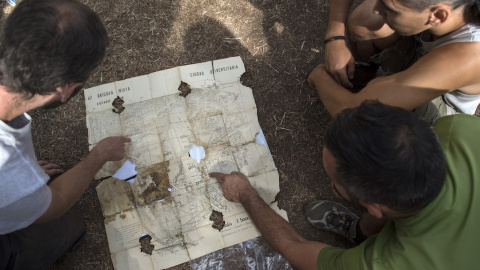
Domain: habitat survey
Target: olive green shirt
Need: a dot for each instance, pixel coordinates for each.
(443, 235)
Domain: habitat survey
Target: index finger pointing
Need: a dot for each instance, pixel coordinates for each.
(217, 175)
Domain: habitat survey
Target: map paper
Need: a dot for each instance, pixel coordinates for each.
(172, 197)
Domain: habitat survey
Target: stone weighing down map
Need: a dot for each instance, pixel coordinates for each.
(174, 212)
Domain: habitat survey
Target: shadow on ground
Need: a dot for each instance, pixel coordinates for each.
(277, 40)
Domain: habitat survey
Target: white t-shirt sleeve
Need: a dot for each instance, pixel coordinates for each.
(24, 212)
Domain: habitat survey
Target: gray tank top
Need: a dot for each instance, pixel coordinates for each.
(456, 101)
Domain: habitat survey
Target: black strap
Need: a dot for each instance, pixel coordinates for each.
(334, 38)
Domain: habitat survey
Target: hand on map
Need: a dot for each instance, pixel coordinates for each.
(339, 63)
(49, 168)
(111, 148)
(235, 186)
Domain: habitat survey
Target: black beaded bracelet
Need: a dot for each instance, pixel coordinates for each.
(334, 38)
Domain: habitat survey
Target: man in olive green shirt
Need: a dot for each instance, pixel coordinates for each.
(420, 189)
(442, 235)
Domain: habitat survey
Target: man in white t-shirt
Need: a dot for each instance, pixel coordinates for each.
(48, 49)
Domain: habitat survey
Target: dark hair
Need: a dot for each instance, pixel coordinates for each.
(472, 11)
(46, 44)
(386, 155)
(472, 7)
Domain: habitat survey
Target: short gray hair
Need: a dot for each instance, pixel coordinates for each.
(471, 7)
(421, 5)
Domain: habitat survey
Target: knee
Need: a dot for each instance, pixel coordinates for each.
(75, 228)
(75, 223)
(364, 24)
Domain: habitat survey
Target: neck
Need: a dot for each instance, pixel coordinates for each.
(397, 215)
(13, 105)
(455, 21)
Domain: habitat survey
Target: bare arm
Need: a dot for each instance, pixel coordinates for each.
(68, 187)
(300, 252)
(339, 61)
(455, 66)
(337, 17)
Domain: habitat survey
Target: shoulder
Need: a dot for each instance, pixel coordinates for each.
(339, 258)
(469, 33)
(449, 67)
(25, 209)
(8, 148)
(459, 125)
(458, 135)
(459, 131)
(463, 51)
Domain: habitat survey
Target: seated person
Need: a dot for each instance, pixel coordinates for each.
(429, 49)
(419, 187)
(48, 49)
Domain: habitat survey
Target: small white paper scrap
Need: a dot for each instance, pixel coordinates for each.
(126, 171)
(197, 153)
(260, 138)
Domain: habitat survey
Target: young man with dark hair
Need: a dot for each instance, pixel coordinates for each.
(427, 49)
(419, 188)
(48, 49)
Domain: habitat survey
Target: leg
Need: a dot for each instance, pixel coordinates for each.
(374, 44)
(334, 217)
(39, 245)
(368, 33)
(369, 38)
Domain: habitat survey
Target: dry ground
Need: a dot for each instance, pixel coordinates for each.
(277, 40)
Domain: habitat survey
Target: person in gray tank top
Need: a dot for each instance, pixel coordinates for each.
(427, 51)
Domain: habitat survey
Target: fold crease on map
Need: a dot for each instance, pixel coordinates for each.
(172, 198)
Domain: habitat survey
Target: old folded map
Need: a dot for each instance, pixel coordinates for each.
(174, 212)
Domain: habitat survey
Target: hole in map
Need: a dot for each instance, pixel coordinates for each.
(145, 245)
(117, 105)
(184, 89)
(217, 218)
(197, 153)
(247, 79)
(126, 172)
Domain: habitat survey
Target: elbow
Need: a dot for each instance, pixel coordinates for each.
(335, 110)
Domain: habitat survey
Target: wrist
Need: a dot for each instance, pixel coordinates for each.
(248, 196)
(95, 156)
(334, 39)
(335, 29)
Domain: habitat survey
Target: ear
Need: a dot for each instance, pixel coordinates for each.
(66, 90)
(439, 14)
(374, 209)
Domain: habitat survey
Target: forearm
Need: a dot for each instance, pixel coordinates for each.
(281, 235)
(75, 181)
(301, 253)
(334, 96)
(337, 17)
(68, 187)
(270, 224)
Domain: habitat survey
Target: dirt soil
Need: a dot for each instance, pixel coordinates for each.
(277, 39)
